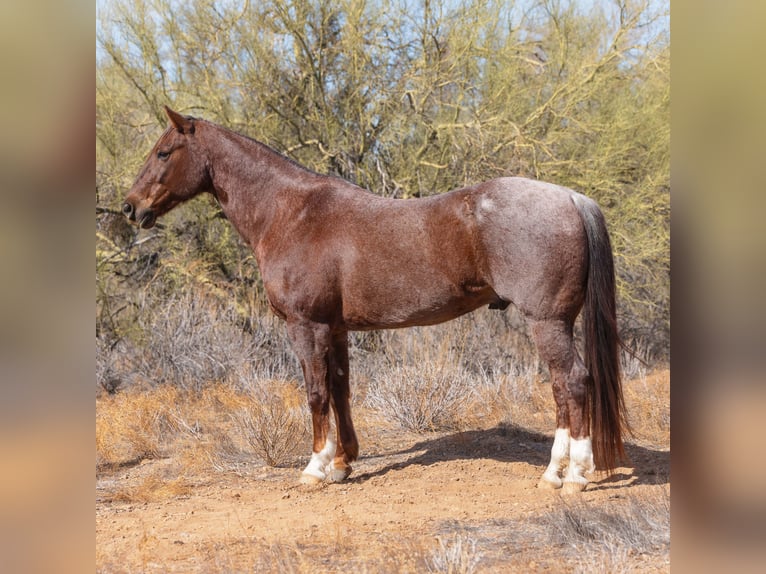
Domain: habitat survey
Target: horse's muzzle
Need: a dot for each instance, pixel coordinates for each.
(145, 218)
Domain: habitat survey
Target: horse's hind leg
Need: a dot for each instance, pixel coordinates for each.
(560, 451)
(340, 393)
(569, 377)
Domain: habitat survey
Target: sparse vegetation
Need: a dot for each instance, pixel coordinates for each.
(603, 537)
(457, 555)
(212, 430)
(177, 443)
(274, 424)
(427, 397)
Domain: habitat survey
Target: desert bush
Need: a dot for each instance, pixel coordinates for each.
(192, 341)
(272, 423)
(218, 427)
(427, 397)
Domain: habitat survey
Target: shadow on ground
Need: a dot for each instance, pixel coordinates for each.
(509, 443)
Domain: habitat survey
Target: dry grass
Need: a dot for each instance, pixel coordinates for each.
(456, 555)
(223, 425)
(154, 488)
(133, 426)
(647, 399)
(609, 535)
(216, 429)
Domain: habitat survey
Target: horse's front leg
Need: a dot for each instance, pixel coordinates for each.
(312, 344)
(340, 393)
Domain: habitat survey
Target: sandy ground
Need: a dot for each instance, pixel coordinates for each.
(408, 495)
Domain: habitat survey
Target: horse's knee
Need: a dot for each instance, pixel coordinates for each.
(318, 399)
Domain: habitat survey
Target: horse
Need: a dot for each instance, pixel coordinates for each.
(336, 258)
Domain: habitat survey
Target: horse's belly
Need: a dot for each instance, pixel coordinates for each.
(392, 311)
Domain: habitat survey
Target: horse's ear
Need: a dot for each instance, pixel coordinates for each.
(183, 124)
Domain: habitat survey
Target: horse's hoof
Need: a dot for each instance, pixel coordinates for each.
(574, 487)
(339, 474)
(310, 479)
(547, 484)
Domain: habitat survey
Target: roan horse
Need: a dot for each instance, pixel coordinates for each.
(336, 258)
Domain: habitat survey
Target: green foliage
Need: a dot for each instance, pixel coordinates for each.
(404, 98)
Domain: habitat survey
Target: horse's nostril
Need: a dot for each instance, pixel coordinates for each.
(127, 209)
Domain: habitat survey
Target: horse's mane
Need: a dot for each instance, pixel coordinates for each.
(267, 148)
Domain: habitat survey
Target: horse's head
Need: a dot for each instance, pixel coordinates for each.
(176, 170)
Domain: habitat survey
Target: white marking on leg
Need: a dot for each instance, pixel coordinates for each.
(335, 474)
(317, 466)
(559, 457)
(580, 462)
(340, 372)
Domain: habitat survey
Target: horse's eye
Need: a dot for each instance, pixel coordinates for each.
(163, 154)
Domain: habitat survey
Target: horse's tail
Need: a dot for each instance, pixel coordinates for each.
(602, 342)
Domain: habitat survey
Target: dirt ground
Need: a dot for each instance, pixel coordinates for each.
(467, 497)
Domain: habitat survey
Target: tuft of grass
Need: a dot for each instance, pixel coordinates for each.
(153, 488)
(457, 555)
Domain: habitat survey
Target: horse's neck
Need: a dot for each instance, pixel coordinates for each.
(250, 181)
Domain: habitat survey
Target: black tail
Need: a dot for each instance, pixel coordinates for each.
(602, 342)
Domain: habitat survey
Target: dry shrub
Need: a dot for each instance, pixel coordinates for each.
(455, 556)
(133, 426)
(272, 422)
(211, 429)
(428, 397)
(192, 341)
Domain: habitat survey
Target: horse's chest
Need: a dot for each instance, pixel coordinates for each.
(304, 291)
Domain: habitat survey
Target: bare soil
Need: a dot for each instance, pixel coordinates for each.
(409, 496)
